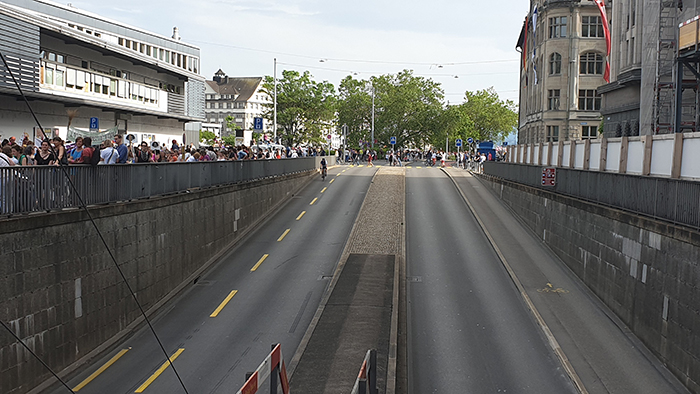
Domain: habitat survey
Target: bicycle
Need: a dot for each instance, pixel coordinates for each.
(324, 173)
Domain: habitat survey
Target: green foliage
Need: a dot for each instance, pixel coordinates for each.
(256, 136)
(305, 108)
(407, 107)
(230, 140)
(207, 137)
(354, 109)
(493, 118)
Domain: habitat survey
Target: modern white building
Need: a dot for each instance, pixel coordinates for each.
(72, 61)
(243, 99)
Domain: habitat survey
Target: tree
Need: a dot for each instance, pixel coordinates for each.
(354, 109)
(207, 137)
(229, 140)
(492, 117)
(305, 108)
(407, 107)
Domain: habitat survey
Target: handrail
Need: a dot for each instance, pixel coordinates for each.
(27, 189)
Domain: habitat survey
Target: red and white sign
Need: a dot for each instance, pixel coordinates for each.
(273, 363)
(549, 176)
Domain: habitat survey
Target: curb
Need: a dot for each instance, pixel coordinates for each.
(551, 340)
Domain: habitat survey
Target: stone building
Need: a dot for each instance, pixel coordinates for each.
(644, 62)
(561, 71)
(241, 98)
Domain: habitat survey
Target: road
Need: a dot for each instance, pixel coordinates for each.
(469, 330)
(274, 303)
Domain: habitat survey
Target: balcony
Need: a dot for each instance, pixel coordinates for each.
(106, 90)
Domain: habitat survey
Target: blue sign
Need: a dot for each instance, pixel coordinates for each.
(258, 123)
(505, 143)
(458, 143)
(392, 140)
(470, 140)
(94, 124)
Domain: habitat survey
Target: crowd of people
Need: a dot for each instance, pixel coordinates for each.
(56, 152)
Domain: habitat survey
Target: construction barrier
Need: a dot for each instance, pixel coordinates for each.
(272, 366)
(366, 382)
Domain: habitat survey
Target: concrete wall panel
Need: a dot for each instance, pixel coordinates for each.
(635, 157)
(661, 157)
(646, 271)
(68, 305)
(613, 159)
(690, 167)
(594, 163)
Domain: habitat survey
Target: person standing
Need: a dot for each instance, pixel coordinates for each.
(60, 150)
(108, 154)
(121, 148)
(44, 157)
(75, 153)
(144, 155)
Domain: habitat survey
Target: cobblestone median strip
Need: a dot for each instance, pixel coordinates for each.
(378, 229)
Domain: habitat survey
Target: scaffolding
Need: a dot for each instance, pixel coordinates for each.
(688, 81)
(666, 81)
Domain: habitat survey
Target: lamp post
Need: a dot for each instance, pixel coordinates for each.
(372, 142)
(274, 112)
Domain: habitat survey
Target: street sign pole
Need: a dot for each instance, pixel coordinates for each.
(372, 142)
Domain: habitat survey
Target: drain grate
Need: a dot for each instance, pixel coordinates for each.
(324, 277)
(415, 279)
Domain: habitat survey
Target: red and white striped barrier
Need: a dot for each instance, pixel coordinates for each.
(272, 365)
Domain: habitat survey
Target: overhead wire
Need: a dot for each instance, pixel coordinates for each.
(82, 204)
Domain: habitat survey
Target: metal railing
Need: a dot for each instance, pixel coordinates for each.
(673, 200)
(45, 188)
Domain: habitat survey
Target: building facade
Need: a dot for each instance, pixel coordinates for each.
(562, 67)
(243, 99)
(641, 97)
(69, 60)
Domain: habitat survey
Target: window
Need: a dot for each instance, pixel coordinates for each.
(588, 100)
(161, 53)
(167, 56)
(557, 27)
(555, 64)
(552, 133)
(591, 26)
(59, 77)
(48, 77)
(553, 100)
(591, 64)
(589, 132)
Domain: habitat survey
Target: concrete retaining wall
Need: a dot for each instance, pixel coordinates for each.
(646, 271)
(61, 293)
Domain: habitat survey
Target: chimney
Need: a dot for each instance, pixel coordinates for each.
(176, 34)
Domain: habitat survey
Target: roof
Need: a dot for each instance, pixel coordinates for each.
(244, 88)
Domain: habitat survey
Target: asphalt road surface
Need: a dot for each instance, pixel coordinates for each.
(274, 303)
(469, 330)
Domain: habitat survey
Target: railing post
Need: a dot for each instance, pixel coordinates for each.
(274, 373)
(372, 373)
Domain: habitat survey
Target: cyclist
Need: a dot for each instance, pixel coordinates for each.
(324, 168)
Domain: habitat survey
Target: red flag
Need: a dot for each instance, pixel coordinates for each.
(606, 29)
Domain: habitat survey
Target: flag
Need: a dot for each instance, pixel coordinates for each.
(606, 29)
(534, 40)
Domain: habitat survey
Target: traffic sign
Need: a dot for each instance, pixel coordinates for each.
(458, 143)
(549, 176)
(94, 125)
(329, 136)
(392, 140)
(470, 140)
(257, 123)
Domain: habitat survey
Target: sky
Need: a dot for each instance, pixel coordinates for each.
(464, 45)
